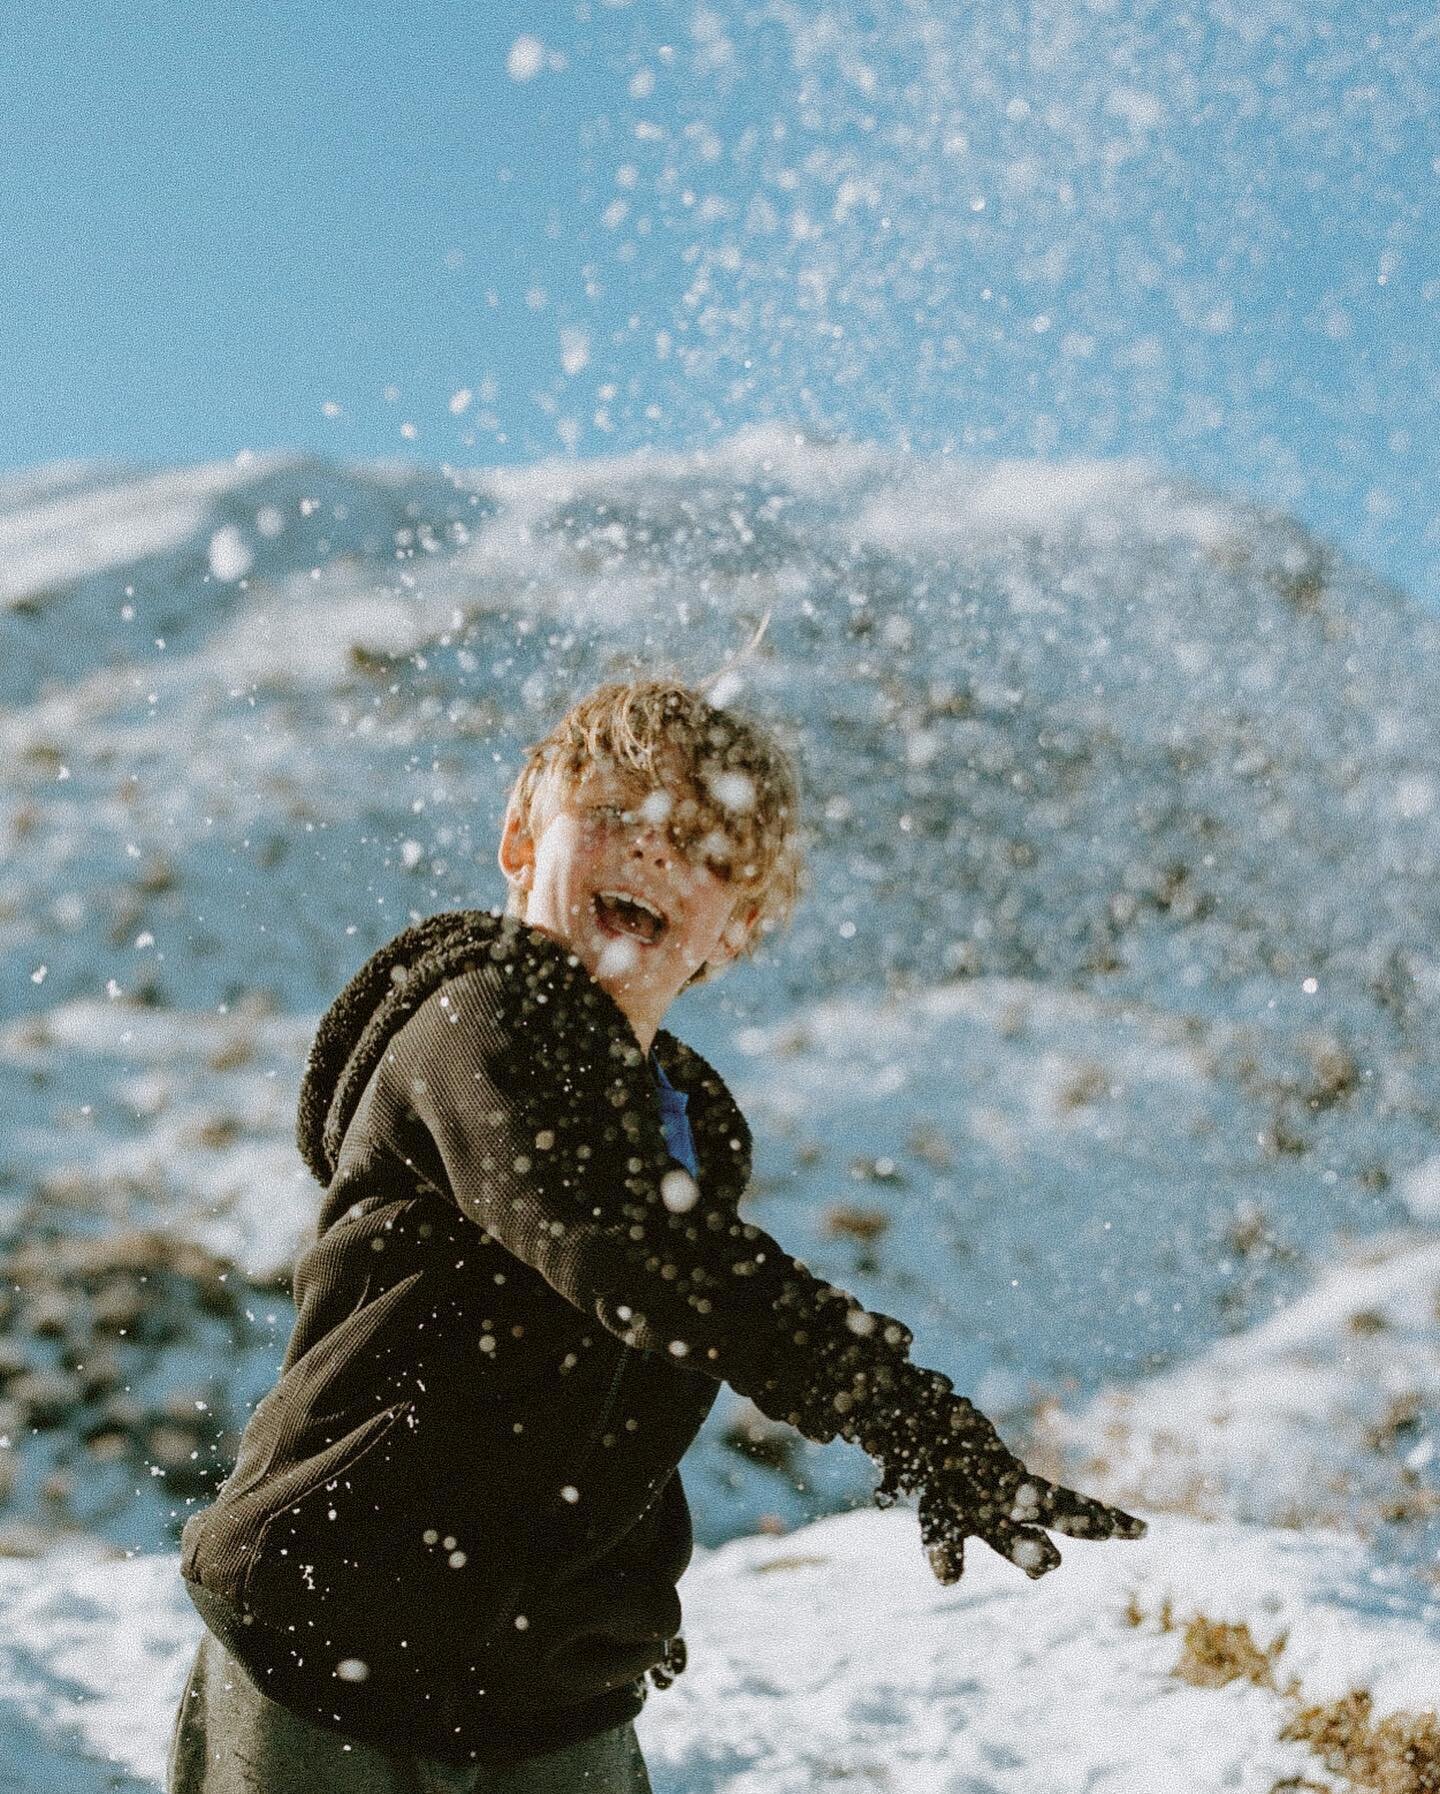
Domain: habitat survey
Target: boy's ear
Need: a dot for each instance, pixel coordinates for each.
(735, 933)
(517, 851)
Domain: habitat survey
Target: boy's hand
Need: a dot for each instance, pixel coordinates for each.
(951, 1514)
(971, 1485)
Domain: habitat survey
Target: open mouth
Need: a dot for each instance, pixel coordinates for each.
(622, 913)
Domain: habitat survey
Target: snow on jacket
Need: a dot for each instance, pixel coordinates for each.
(456, 1524)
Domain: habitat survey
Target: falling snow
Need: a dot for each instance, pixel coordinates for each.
(1100, 1045)
(525, 59)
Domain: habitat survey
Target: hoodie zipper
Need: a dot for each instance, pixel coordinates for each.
(607, 1408)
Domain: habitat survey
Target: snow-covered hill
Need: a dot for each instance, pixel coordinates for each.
(1101, 1039)
(1122, 803)
(1324, 1415)
(1072, 722)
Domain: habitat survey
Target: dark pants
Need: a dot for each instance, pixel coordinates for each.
(229, 1738)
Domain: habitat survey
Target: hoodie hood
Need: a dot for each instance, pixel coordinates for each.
(352, 1033)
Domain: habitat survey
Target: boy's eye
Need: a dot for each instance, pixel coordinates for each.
(685, 833)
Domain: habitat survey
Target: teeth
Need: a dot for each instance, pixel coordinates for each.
(639, 902)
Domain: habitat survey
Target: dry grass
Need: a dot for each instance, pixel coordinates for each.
(1399, 1754)
(1399, 1425)
(849, 1221)
(1215, 1653)
(1135, 1614)
(795, 1561)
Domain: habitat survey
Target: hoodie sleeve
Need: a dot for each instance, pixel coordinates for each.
(538, 1106)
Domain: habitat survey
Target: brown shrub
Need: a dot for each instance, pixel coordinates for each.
(1399, 1755)
(1214, 1652)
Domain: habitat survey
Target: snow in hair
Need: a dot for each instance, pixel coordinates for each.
(738, 806)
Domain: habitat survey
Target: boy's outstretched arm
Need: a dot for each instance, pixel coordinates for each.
(546, 1145)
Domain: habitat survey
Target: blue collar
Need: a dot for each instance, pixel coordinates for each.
(665, 1083)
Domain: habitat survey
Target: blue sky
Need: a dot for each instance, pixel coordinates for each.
(474, 234)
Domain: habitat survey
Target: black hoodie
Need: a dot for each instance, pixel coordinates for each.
(456, 1524)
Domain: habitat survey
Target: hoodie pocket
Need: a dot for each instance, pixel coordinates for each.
(604, 1631)
(311, 1544)
(389, 1562)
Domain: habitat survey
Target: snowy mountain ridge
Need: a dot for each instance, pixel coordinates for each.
(1100, 1039)
(1075, 728)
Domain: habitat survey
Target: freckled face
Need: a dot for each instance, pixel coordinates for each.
(612, 835)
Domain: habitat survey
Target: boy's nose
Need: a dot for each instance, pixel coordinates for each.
(652, 847)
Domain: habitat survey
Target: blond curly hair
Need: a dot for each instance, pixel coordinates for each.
(738, 798)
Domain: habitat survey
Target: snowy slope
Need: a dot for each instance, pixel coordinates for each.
(1122, 805)
(1326, 1415)
(833, 1656)
(1099, 1051)
(1069, 720)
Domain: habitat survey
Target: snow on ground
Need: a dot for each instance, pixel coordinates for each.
(95, 1650)
(1103, 1034)
(184, 1119)
(1326, 1414)
(832, 1656)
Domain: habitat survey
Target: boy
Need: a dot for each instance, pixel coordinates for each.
(447, 1554)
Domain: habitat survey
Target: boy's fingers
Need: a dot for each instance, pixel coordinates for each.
(943, 1536)
(1079, 1516)
(947, 1561)
(1026, 1546)
(1020, 1536)
(1044, 1503)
